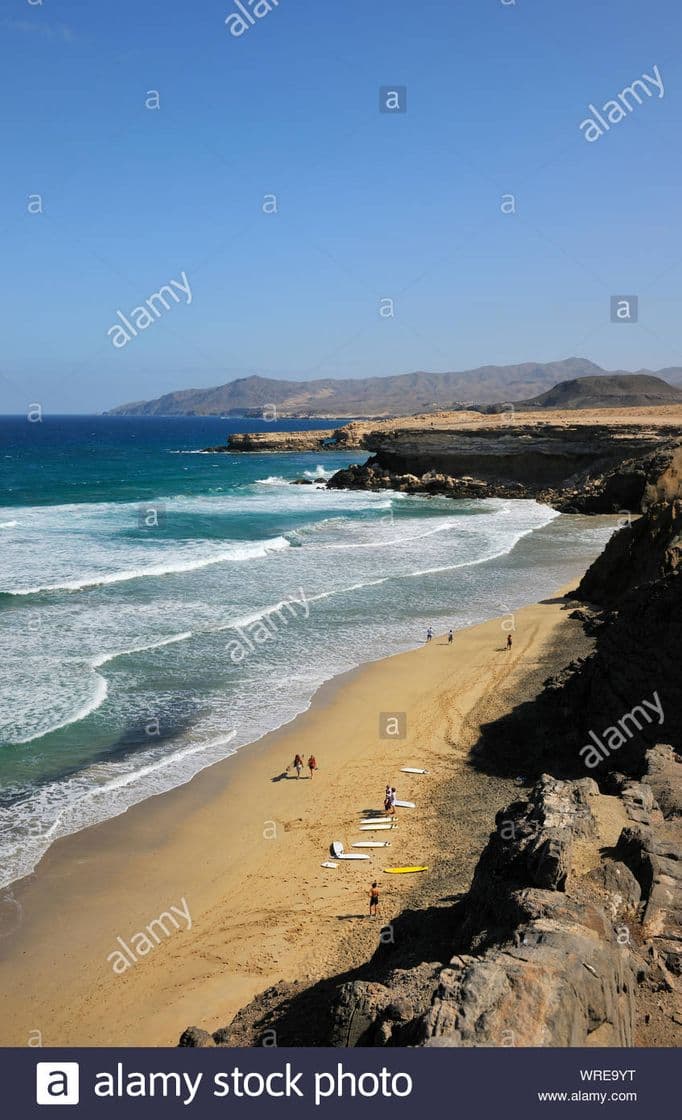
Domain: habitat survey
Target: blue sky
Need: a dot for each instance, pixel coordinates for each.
(371, 206)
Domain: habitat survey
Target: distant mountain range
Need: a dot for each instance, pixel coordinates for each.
(395, 395)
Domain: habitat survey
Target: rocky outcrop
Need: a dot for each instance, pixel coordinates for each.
(652, 849)
(276, 441)
(540, 964)
(664, 777)
(578, 468)
(642, 551)
(535, 956)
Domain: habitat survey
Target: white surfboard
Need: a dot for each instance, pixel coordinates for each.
(328, 863)
(338, 852)
(406, 804)
(412, 770)
(371, 844)
(376, 820)
(376, 827)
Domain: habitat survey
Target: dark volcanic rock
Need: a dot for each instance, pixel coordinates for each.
(577, 469)
(533, 966)
(645, 550)
(196, 1038)
(664, 776)
(636, 658)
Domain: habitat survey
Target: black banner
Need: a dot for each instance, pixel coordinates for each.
(325, 1082)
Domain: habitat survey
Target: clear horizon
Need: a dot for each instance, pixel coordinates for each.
(236, 204)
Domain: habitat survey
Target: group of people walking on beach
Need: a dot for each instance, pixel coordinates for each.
(299, 764)
(451, 635)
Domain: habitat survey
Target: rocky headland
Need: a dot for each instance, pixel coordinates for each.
(585, 461)
(570, 933)
(263, 442)
(576, 468)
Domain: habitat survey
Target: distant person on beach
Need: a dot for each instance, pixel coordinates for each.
(450, 637)
(391, 801)
(387, 798)
(312, 765)
(509, 641)
(373, 900)
(298, 765)
(429, 634)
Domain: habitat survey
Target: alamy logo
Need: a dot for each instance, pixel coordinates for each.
(57, 1082)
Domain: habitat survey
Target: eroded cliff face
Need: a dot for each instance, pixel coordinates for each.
(262, 442)
(601, 713)
(644, 550)
(577, 469)
(569, 460)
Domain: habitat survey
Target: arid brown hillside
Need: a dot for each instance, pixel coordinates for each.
(373, 396)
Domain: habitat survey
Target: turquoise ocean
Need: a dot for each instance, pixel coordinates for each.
(143, 635)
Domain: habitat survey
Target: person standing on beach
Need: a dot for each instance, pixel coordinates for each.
(374, 900)
(429, 634)
(312, 766)
(509, 641)
(450, 637)
(391, 801)
(298, 765)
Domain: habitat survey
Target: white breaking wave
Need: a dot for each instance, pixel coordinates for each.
(234, 554)
(101, 791)
(103, 658)
(86, 709)
(8, 524)
(319, 473)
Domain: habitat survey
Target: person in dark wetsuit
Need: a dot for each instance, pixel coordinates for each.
(374, 900)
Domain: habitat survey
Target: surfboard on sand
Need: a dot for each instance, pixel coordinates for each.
(375, 827)
(412, 770)
(403, 870)
(376, 820)
(338, 852)
(371, 844)
(406, 804)
(328, 863)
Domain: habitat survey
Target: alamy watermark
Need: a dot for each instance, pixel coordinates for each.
(619, 733)
(242, 20)
(617, 108)
(267, 627)
(143, 316)
(142, 942)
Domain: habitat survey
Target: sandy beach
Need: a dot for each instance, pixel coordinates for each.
(239, 849)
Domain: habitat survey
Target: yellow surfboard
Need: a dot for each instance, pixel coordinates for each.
(403, 870)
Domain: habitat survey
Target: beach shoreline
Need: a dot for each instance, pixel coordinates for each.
(240, 847)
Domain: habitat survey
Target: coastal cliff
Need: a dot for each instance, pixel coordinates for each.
(584, 461)
(275, 441)
(583, 468)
